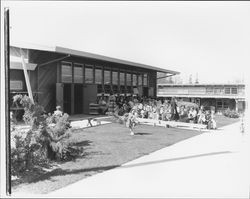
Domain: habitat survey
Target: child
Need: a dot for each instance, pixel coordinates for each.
(131, 121)
(58, 111)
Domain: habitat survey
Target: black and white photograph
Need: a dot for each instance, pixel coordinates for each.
(125, 99)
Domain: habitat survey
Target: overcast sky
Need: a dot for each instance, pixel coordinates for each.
(208, 38)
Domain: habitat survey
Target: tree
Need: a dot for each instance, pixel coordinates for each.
(196, 80)
(190, 79)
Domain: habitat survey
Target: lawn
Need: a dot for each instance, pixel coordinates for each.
(106, 147)
(221, 120)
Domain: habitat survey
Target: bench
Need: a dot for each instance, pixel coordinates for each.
(168, 124)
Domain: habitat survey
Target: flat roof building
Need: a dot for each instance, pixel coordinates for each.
(221, 96)
(73, 79)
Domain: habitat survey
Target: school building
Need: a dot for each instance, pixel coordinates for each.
(220, 96)
(73, 79)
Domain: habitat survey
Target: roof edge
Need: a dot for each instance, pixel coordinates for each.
(110, 59)
(64, 50)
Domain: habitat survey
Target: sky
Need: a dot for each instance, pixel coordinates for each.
(208, 39)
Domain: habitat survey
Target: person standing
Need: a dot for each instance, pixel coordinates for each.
(174, 112)
(131, 121)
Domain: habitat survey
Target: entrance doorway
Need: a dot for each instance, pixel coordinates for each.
(67, 98)
(145, 91)
(78, 99)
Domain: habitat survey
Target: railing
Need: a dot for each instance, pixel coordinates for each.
(192, 91)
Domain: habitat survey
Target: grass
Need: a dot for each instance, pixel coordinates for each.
(221, 120)
(106, 147)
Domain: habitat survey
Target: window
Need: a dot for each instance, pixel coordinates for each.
(122, 78)
(98, 76)
(217, 90)
(66, 72)
(234, 90)
(227, 90)
(129, 82)
(107, 88)
(145, 79)
(16, 85)
(114, 78)
(89, 77)
(78, 73)
(122, 89)
(225, 104)
(134, 80)
(115, 89)
(209, 90)
(129, 89)
(107, 77)
(219, 104)
(99, 88)
(140, 80)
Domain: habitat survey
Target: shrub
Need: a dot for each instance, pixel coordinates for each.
(25, 150)
(231, 113)
(46, 139)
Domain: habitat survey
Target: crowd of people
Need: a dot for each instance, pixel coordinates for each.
(151, 108)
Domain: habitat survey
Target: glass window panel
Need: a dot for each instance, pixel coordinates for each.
(66, 72)
(225, 104)
(107, 77)
(98, 76)
(129, 82)
(209, 90)
(115, 89)
(89, 75)
(78, 73)
(122, 88)
(227, 90)
(140, 80)
(134, 80)
(217, 90)
(219, 104)
(234, 90)
(122, 78)
(114, 78)
(99, 89)
(145, 80)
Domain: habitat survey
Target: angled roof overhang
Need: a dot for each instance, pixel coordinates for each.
(72, 52)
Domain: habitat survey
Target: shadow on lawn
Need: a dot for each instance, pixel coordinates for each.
(82, 143)
(61, 172)
(143, 133)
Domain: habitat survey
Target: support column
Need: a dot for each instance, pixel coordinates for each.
(236, 105)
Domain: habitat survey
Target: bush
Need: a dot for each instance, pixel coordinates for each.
(231, 113)
(46, 139)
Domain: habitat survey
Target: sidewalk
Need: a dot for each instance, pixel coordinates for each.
(214, 164)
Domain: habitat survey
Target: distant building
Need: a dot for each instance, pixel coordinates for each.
(221, 96)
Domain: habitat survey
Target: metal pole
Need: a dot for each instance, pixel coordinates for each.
(7, 101)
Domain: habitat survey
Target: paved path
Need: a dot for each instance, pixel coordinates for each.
(213, 165)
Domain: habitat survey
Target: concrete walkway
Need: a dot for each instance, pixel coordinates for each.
(214, 164)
